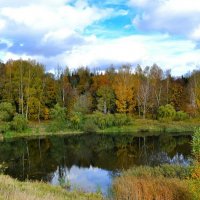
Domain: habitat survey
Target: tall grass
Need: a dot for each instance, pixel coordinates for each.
(149, 188)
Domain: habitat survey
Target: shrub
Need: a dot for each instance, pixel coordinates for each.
(19, 123)
(89, 126)
(121, 119)
(102, 120)
(6, 112)
(196, 144)
(76, 120)
(180, 116)
(108, 120)
(166, 113)
(4, 127)
(58, 113)
(59, 122)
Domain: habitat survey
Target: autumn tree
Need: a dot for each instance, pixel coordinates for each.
(124, 90)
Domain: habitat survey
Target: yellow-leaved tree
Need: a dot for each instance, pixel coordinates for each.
(124, 90)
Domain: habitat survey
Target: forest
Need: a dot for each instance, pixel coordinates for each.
(87, 101)
(28, 91)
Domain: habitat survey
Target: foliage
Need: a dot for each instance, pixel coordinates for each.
(196, 144)
(166, 112)
(147, 91)
(6, 111)
(124, 90)
(106, 99)
(19, 123)
(89, 126)
(166, 170)
(4, 126)
(122, 119)
(59, 119)
(83, 104)
(108, 120)
(180, 116)
(76, 120)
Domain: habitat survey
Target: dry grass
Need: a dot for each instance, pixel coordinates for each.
(133, 188)
(11, 189)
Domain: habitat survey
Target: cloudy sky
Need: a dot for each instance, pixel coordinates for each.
(98, 33)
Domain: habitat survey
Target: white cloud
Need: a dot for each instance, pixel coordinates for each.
(47, 27)
(179, 55)
(52, 32)
(171, 16)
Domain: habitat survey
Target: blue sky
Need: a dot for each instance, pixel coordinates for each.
(98, 33)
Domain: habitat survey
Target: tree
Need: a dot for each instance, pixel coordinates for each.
(143, 89)
(156, 87)
(106, 99)
(124, 90)
(83, 104)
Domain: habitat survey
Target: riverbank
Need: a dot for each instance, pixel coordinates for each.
(11, 189)
(137, 127)
(161, 182)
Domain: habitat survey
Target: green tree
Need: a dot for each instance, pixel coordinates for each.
(106, 99)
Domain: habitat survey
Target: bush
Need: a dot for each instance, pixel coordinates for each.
(102, 120)
(19, 123)
(4, 127)
(89, 126)
(121, 119)
(180, 116)
(59, 122)
(108, 120)
(166, 113)
(196, 144)
(6, 112)
(76, 120)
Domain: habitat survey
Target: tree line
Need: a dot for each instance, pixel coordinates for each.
(33, 92)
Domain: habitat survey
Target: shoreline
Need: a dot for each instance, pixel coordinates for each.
(137, 128)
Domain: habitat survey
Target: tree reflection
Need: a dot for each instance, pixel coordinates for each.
(38, 159)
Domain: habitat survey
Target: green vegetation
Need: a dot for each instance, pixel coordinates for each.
(11, 189)
(196, 145)
(116, 101)
(87, 124)
(162, 182)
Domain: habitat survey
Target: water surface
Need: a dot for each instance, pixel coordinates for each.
(89, 162)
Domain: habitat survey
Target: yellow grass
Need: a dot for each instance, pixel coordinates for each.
(11, 189)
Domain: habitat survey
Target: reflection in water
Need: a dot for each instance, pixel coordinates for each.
(88, 179)
(89, 161)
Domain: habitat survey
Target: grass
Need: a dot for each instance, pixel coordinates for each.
(166, 182)
(147, 125)
(11, 189)
(137, 127)
(149, 188)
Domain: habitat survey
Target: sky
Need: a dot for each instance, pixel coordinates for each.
(100, 33)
